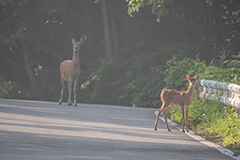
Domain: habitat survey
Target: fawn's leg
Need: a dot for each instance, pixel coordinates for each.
(60, 100)
(69, 92)
(186, 117)
(182, 108)
(157, 116)
(165, 112)
(74, 90)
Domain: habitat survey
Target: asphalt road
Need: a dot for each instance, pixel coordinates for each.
(32, 130)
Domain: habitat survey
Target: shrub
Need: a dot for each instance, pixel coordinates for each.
(6, 87)
(175, 74)
(206, 116)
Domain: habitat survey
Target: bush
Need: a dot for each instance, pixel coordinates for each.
(175, 74)
(206, 116)
(104, 84)
(224, 125)
(6, 87)
(9, 89)
(136, 82)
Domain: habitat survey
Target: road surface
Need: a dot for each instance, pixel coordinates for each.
(32, 130)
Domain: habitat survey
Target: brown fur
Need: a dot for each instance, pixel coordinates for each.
(171, 98)
(70, 71)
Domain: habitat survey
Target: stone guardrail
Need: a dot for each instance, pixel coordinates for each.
(228, 94)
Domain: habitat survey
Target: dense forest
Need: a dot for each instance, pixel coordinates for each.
(127, 49)
(133, 49)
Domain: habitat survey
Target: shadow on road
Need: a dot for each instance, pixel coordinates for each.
(45, 130)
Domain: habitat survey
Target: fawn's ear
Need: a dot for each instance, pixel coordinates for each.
(197, 77)
(188, 77)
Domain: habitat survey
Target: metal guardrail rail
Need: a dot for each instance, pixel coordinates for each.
(228, 94)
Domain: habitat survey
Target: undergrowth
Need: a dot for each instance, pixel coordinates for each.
(210, 117)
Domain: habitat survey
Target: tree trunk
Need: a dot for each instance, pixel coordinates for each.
(27, 61)
(203, 12)
(114, 32)
(89, 29)
(106, 29)
(217, 12)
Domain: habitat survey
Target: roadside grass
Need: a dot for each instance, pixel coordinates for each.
(212, 120)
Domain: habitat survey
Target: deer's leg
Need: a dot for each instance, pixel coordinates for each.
(186, 117)
(182, 108)
(74, 90)
(165, 112)
(69, 92)
(61, 96)
(157, 116)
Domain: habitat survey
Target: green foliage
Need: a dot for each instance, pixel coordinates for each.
(12, 90)
(103, 84)
(176, 71)
(234, 66)
(134, 6)
(217, 73)
(147, 56)
(136, 81)
(223, 124)
(229, 73)
(159, 7)
(206, 116)
(144, 92)
(6, 87)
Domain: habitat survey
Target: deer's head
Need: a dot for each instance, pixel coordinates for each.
(77, 44)
(192, 80)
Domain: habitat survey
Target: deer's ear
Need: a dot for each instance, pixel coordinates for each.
(73, 40)
(188, 77)
(81, 41)
(198, 76)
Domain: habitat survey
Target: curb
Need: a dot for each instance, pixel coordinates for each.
(225, 151)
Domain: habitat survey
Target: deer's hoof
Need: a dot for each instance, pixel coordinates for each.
(155, 129)
(75, 104)
(169, 130)
(60, 103)
(69, 104)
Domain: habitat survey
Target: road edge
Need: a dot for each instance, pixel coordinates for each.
(225, 151)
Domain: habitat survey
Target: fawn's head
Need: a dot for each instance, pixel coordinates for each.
(192, 80)
(77, 44)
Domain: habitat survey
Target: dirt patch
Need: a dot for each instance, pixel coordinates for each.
(217, 140)
(212, 138)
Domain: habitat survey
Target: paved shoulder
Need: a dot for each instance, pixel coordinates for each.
(45, 130)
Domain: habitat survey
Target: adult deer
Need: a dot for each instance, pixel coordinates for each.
(171, 98)
(70, 71)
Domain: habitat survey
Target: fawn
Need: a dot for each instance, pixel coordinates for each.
(70, 71)
(171, 98)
